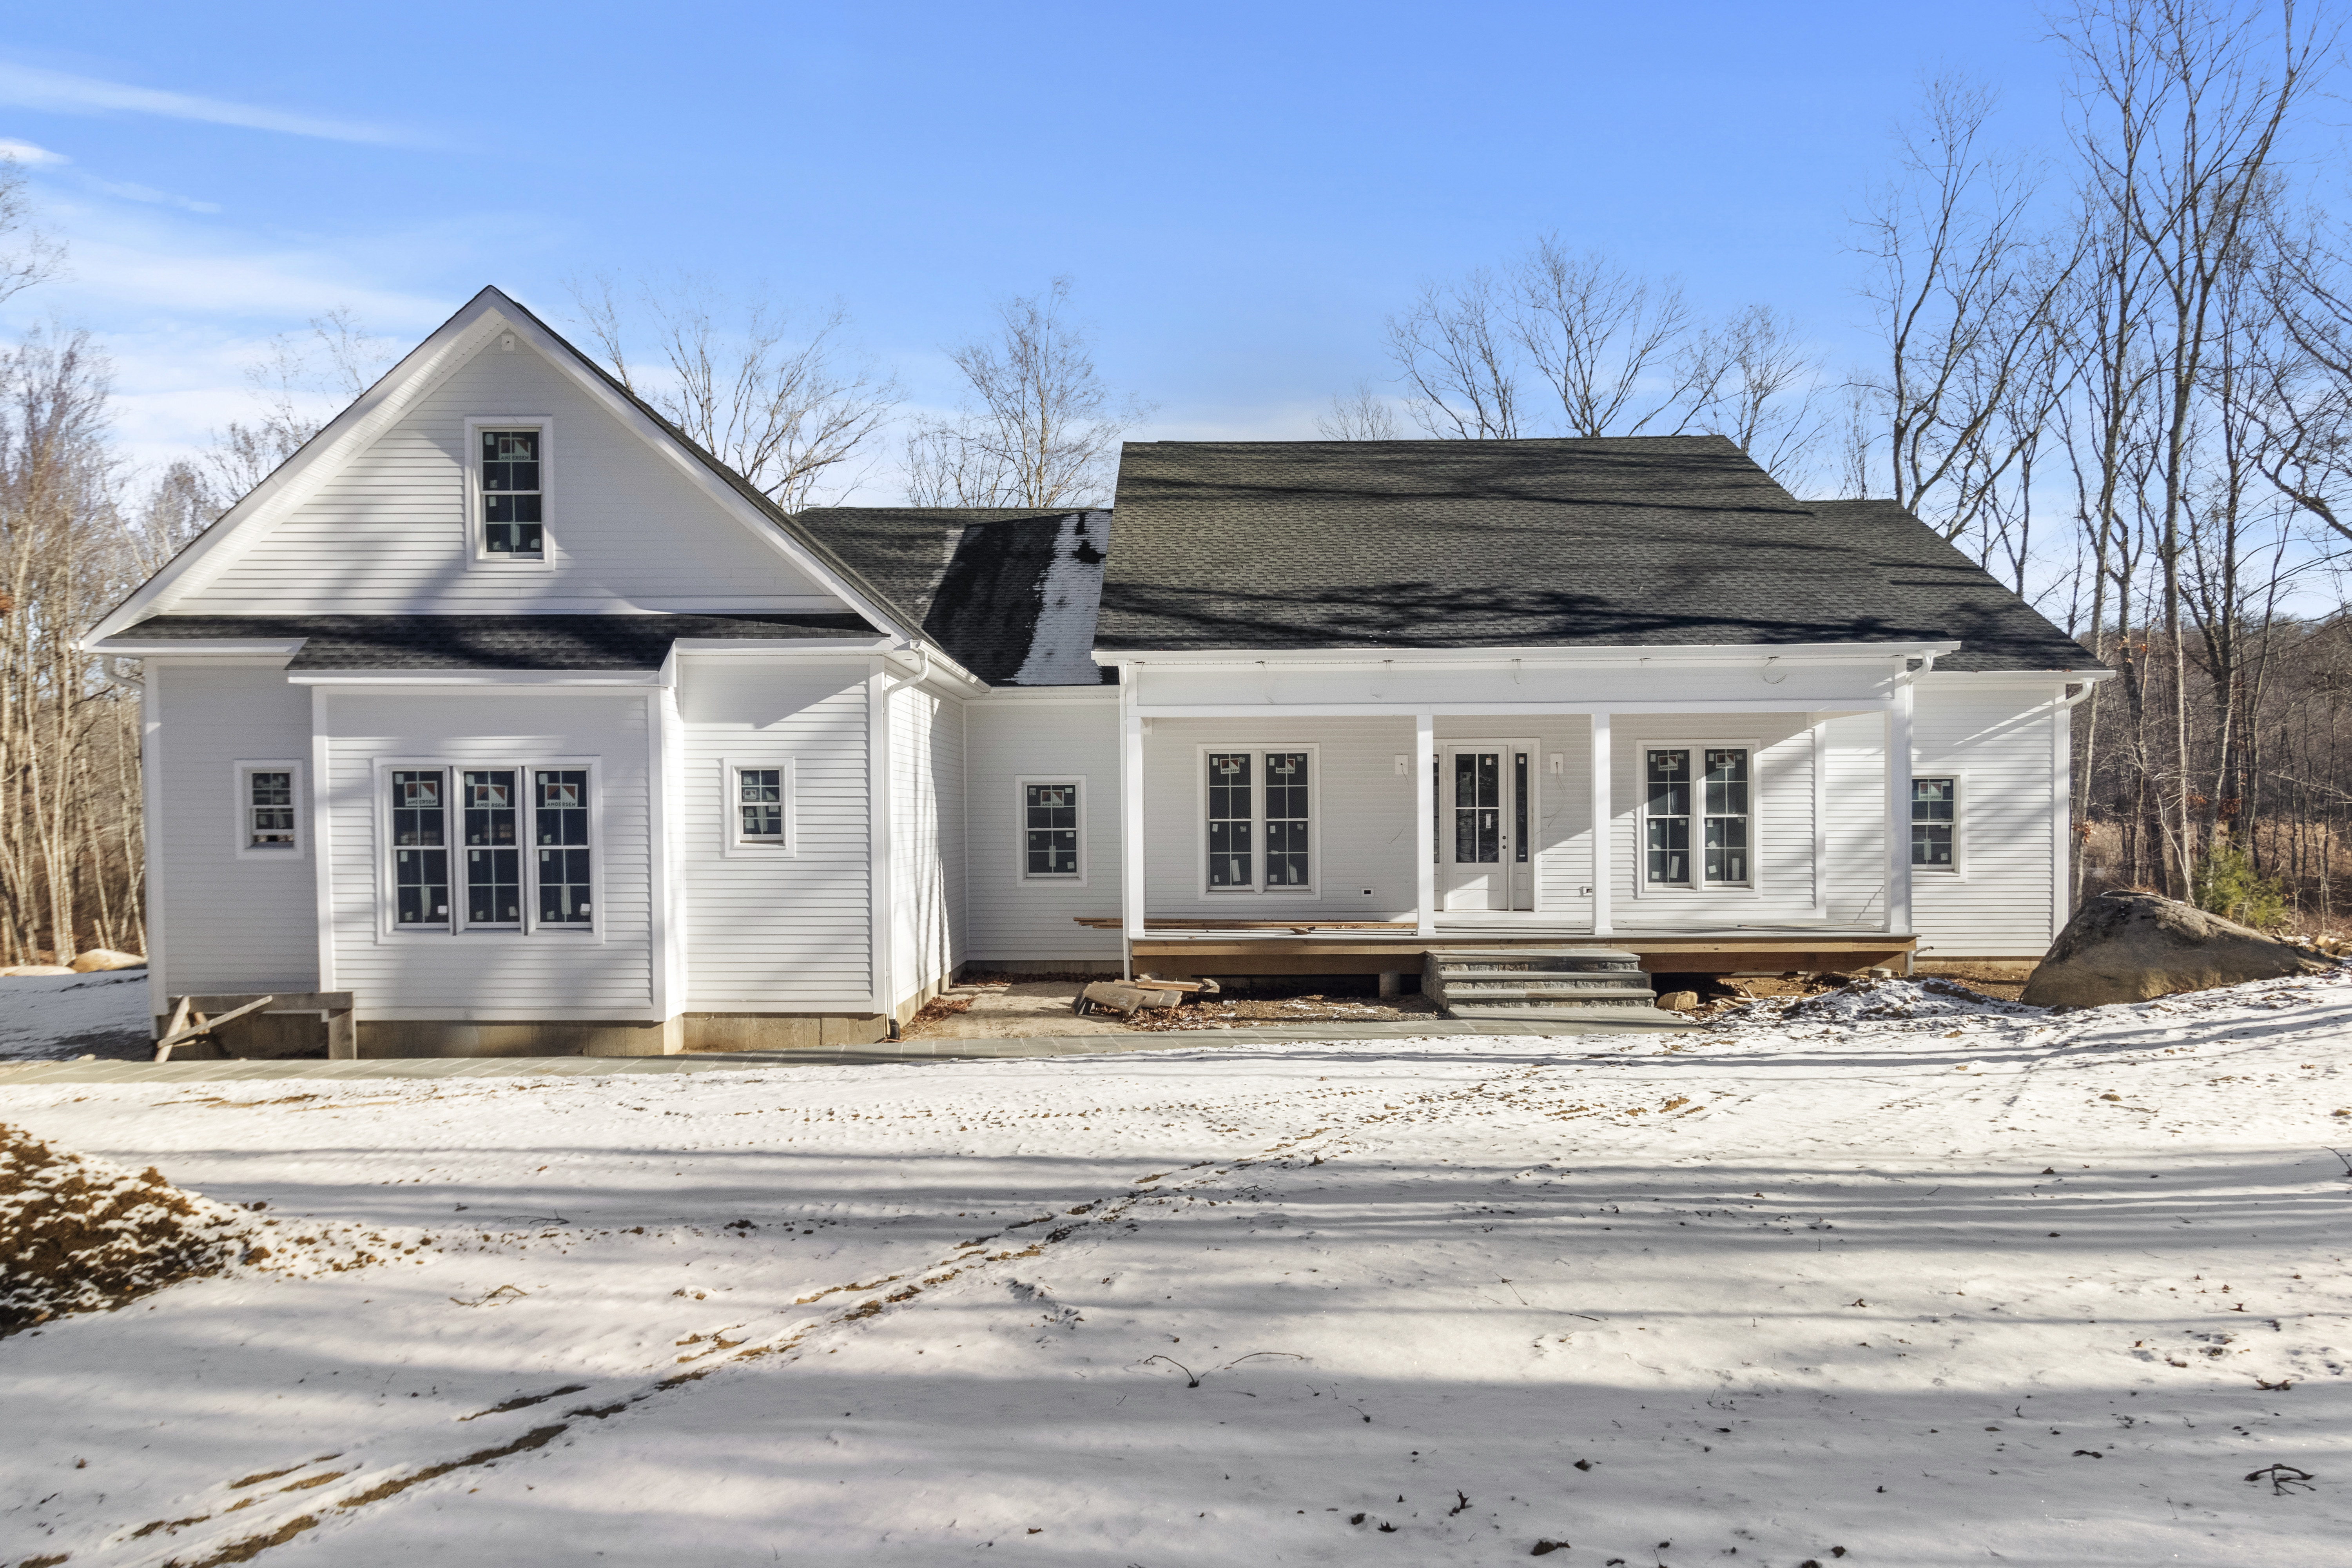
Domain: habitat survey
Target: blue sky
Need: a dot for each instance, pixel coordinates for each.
(1241, 191)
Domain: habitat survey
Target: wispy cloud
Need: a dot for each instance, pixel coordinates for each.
(31, 87)
(30, 156)
(131, 191)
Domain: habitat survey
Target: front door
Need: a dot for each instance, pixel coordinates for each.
(1475, 823)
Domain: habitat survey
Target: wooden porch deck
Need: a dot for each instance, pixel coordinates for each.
(1179, 949)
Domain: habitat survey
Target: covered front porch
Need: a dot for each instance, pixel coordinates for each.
(1711, 812)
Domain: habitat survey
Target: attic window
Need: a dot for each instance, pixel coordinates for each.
(511, 495)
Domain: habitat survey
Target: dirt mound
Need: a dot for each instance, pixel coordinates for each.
(78, 1235)
(1870, 1001)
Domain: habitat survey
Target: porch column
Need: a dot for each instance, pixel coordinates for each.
(1424, 824)
(1130, 826)
(1600, 824)
(1898, 806)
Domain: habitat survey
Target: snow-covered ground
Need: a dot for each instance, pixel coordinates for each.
(63, 1015)
(1926, 1280)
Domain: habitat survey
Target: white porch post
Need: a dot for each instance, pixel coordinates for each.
(1600, 824)
(1899, 807)
(1424, 824)
(1131, 822)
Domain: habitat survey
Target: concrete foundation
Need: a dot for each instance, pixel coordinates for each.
(780, 1031)
(392, 1037)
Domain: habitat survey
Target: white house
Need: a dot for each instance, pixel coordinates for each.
(512, 713)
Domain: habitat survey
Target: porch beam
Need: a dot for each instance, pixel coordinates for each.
(1601, 816)
(1899, 811)
(1424, 823)
(1500, 710)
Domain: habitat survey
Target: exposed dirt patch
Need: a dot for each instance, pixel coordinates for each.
(78, 1235)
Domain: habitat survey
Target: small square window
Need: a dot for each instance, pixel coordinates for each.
(269, 810)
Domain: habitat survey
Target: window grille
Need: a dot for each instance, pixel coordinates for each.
(420, 848)
(493, 853)
(759, 804)
(1232, 814)
(1934, 816)
(1667, 811)
(559, 828)
(511, 497)
(1049, 824)
(1726, 815)
(269, 805)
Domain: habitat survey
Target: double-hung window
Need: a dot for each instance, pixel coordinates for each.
(1935, 822)
(489, 848)
(420, 848)
(1258, 822)
(755, 808)
(269, 810)
(1696, 816)
(1053, 830)
(509, 478)
(560, 821)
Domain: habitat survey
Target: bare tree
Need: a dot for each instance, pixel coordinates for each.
(1456, 354)
(1039, 428)
(1964, 286)
(2180, 108)
(1614, 346)
(787, 408)
(26, 256)
(1361, 415)
(303, 380)
(1756, 382)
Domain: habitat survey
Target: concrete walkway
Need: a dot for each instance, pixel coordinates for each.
(897, 1052)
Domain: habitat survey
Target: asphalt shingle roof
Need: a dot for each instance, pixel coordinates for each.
(489, 642)
(1662, 540)
(973, 578)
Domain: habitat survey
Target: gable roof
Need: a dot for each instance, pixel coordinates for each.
(1678, 541)
(453, 343)
(1010, 594)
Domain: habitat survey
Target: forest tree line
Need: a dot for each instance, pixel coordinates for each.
(2117, 373)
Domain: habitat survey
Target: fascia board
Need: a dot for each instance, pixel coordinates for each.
(192, 648)
(2033, 677)
(1702, 653)
(1103, 694)
(530, 679)
(301, 476)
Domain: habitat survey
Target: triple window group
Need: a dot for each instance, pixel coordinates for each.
(488, 826)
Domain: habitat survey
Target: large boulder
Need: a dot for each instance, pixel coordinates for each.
(2134, 947)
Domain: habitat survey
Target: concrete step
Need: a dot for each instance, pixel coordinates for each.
(1553, 984)
(1633, 1002)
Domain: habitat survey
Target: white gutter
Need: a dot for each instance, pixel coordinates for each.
(1538, 657)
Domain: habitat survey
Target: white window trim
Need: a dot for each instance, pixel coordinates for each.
(733, 845)
(241, 822)
(1313, 891)
(1021, 872)
(386, 890)
(459, 925)
(1958, 869)
(1695, 887)
(478, 548)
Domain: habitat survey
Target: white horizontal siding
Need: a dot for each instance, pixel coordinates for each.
(228, 923)
(491, 976)
(1008, 917)
(1780, 830)
(389, 533)
(1363, 831)
(769, 932)
(1998, 740)
(1855, 764)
